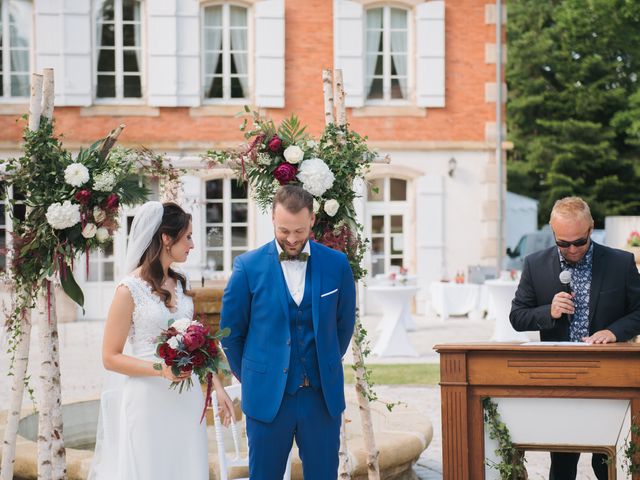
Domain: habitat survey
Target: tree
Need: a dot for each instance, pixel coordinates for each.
(574, 103)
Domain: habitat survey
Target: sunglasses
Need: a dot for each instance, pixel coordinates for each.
(581, 242)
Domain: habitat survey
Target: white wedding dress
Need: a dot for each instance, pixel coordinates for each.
(147, 431)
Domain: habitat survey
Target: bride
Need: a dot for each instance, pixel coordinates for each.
(146, 430)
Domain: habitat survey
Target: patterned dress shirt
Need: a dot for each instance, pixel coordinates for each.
(581, 273)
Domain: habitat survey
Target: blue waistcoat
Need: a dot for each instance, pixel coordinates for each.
(303, 360)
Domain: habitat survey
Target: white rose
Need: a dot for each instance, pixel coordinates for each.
(102, 234)
(315, 176)
(76, 174)
(331, 207)
(61, 216)
(316, 206)
(173, 342)
(293, 154)
(181, 324)
(104, 182)
(89, 230)
(99, 215)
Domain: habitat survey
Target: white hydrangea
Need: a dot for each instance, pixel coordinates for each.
(61, 216)
(293, 154)
(331, 207)
(182, 324)
(104, 182)
(89, 230)
(315, 176)
(264, 159)
(102, 234)
(76, 174)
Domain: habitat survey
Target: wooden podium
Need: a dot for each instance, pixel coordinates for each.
(470, 372)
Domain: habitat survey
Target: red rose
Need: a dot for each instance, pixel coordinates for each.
(198, 359)
(275, 144)
(112, 202)
(193, 339)
(212, 347)
(83, 196)
(167, 353)
(284, 173)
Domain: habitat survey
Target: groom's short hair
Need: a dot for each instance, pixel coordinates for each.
(293, 198)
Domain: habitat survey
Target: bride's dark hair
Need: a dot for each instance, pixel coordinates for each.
(175, 223)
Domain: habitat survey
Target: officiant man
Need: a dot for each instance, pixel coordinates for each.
(290, 306)
(603, 306)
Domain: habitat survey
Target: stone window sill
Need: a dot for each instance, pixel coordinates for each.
(216, 110)
(14, 108)
(389, 111)
(119, 111)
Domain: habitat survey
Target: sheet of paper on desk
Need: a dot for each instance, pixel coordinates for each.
(551, 344)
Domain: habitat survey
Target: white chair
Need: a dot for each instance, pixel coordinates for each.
(228, 460)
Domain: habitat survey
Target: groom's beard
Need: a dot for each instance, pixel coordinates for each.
(288, 249)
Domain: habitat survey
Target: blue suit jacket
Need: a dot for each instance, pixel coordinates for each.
(255, 308)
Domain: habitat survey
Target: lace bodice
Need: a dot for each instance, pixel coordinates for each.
(150, 314)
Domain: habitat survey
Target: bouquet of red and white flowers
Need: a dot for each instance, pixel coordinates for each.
(188, 346)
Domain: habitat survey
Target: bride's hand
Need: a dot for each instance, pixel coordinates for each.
(168, 374)
(225, 407)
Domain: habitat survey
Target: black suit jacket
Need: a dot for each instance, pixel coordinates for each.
(614, 301)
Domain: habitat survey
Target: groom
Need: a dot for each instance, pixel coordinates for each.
(290, 306)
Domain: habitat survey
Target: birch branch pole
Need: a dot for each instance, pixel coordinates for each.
(22, 348)
(58, 452)
(336, 100)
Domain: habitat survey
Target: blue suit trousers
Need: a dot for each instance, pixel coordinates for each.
(303, 416)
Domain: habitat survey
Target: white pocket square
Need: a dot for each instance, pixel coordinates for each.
(328, 293)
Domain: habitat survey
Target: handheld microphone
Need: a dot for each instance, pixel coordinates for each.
(565, 280)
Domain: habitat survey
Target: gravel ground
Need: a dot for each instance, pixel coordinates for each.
(82, 378)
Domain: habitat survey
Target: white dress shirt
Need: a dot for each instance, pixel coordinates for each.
(294, 273)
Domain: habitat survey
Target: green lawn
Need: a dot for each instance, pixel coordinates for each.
(399, 374)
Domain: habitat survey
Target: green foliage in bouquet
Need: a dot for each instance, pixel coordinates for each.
(327, 168)
(71, 207)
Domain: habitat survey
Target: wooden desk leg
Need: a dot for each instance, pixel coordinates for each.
(455, 439)
(476, 436)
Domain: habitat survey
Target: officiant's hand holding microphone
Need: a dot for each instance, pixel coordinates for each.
(562, 303)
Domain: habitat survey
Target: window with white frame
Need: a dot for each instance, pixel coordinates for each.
(118, 49)
(15, 38)
(387, 209)
(225, 52)
(226, 222)
(101, 264)
(387, 54)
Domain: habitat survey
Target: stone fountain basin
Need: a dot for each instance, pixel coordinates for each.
(401, 436)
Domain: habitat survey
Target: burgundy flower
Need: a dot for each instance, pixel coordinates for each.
(275, 144)
(284, 173)
(212, 347)
(198, 359)
(171, 332)
(193, 339)
(83, 196)
(112, 201)
(167, 353)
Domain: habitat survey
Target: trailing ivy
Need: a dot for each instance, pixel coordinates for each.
(511, 465)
